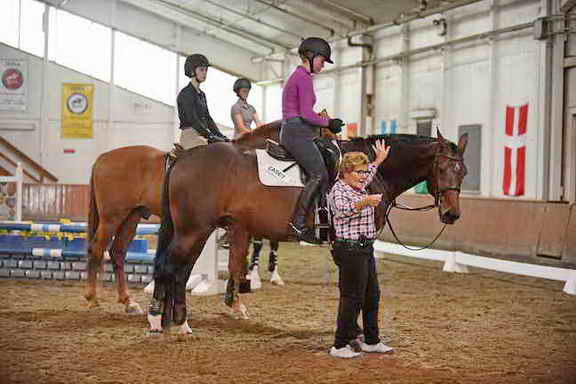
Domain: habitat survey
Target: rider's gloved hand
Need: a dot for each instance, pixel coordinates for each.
(335, 125)
(217, 139)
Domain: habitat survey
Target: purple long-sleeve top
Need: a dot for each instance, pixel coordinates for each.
(298, 98)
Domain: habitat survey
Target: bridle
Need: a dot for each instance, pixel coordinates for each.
(438, 193)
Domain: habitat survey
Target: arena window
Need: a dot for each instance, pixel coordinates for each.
(9, 22)
(31, 31)
(87, 49)
(21, 25)
(145, 68)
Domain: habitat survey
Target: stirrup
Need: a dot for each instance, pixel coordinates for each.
(307, 235)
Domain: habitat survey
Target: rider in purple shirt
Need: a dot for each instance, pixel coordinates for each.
(300, 127)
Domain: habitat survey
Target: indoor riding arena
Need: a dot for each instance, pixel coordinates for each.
(157, 187)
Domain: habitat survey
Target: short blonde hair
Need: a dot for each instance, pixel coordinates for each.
(353, 160)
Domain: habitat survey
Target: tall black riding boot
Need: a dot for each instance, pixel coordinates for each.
(305, 201)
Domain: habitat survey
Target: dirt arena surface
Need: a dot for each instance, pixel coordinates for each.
(483, 327)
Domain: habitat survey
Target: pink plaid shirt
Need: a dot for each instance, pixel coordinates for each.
(348, 222)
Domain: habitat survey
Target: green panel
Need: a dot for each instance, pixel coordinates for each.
(421, 188)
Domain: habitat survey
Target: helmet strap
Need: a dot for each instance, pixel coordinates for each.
(311, 61)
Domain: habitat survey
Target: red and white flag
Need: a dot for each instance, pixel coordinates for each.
(515, 150)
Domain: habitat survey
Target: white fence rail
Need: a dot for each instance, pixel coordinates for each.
(459, 262)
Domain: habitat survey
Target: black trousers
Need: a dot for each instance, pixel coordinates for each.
(359, 291)
(297, 136)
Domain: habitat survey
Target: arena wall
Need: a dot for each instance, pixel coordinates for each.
(514, 229)
(134, 119)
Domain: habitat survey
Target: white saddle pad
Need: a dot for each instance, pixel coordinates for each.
(272, 172)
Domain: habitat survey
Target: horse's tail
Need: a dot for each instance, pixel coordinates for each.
(163, 270)
(93, 216)
(166, 232)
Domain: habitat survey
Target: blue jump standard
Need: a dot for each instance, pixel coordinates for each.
(143, 229)
(40, 246)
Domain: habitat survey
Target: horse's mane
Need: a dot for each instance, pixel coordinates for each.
(264, 131)
(403, 138)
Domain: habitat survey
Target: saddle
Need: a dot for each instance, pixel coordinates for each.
(277, 167)
(328, 148)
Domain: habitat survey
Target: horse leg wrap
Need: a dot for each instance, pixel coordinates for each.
(244, 287)
(155, 316)
(156, 307)
(229, 296)
(272, 261)
(257, 244)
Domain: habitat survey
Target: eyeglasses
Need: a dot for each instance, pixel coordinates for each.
(362, 173)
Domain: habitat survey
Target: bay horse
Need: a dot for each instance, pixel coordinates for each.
(125, 186)
(219, 186)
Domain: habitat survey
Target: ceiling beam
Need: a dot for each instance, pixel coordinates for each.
(254, 19)
(297, 16)
(160, 10)
(258, 39)
(348, 12)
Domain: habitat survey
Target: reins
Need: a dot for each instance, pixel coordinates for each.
(393, 204)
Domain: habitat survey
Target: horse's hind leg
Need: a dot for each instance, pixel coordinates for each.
(124, 236)
(104, 232)
(237, 268)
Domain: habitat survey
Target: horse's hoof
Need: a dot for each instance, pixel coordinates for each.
(254, 276)
(276, 279)
(154, 332)
(185, 329)
(241, 312)
(93, 304)
(149, 289)
(134, 309)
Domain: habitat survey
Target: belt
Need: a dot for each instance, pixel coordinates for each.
(296, 119)
(355, 243)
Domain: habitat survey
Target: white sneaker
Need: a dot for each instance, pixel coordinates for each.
(344, 352)
(377, 348)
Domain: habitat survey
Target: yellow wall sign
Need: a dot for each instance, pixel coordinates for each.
(77, 111)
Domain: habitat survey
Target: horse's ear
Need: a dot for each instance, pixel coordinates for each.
(462, 142)
(439, 134)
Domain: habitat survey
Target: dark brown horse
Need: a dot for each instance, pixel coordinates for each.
(125, 187)
(226, 192)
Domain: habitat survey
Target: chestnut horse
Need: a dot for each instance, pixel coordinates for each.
(218, 185)
(125, 186)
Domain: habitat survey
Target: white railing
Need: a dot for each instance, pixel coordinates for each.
(18, 179)
(455, 261)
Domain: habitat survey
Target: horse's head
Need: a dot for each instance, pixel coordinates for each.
(446, 177)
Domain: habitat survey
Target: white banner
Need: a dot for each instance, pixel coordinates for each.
(13, 84)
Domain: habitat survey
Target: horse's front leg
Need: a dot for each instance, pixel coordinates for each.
(237, 268)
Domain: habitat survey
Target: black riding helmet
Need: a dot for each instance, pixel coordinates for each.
(194, 61)
(314, 46)
(241, 83)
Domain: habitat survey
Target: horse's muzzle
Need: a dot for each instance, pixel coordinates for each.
(449, 217)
